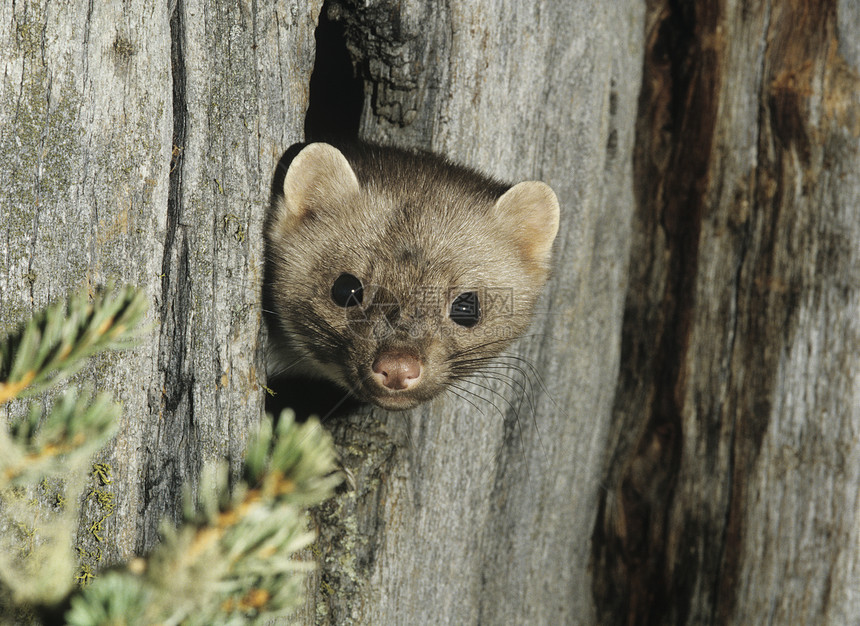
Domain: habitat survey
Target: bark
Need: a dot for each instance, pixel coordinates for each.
(138, 143)
(733, 482)
(479, 508)
(676, 441)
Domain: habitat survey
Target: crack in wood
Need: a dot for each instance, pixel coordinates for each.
(171, 463)
(677, 121)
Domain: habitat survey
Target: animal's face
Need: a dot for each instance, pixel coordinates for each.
(396, 287)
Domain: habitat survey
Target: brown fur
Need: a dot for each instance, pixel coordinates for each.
(417, 231)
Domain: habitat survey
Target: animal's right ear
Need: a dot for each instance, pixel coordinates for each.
(319, 175)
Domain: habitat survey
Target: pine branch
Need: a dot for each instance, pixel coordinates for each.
(233, 561)
(234, 558)
(56, 342)
(53, 345)
(75, 428)
(36, 559)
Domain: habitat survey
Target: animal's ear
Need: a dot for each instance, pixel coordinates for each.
(530, 212)
(319, 175)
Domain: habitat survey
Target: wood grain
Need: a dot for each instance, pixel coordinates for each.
(674, 441)
(139, 145)
(479, 508)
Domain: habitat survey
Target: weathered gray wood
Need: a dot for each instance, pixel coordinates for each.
(712, 481)
(735, 459)
(139, 145)
(474, 510)
(85, 127)
(238, 80)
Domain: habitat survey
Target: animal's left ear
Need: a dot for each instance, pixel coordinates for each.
(530, 210)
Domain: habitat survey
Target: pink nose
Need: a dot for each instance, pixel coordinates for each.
(396, 370)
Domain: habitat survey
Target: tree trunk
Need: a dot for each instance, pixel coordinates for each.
(734, 457)
(479, 509)
(138, 144)
(675, 440)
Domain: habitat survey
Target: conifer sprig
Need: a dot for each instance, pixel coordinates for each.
(233, 561)
(56, 342)
(75, 428)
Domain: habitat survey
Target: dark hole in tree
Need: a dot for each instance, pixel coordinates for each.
(336, 93)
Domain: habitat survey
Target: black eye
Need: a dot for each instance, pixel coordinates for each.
(346, 290)
(465, 309)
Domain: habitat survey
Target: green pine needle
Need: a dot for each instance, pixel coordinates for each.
(115, 599)
(75, 428)
(234, 560)
(56, 342)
